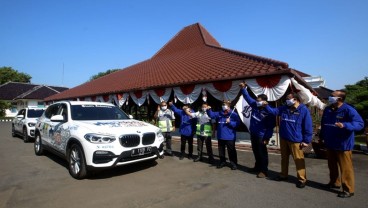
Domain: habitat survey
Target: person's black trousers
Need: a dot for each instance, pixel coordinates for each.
(260, 154)
(184, 140)
(200, 141)
(231, 151)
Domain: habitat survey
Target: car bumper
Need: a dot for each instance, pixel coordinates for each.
(106, 159)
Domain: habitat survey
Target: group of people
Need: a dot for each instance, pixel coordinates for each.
(339, 121)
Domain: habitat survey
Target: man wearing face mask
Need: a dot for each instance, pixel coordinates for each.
(205, 132)
(166, 122)
(187, 129)
(338, 123)
(295, 133)
(261, 129)
(227, 121)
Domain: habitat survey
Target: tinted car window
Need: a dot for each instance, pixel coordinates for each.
(97, 112)
(52, 110)
(35, 113)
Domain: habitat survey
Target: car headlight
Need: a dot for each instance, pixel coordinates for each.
(99, 139)
(160, 136)
(31, 124)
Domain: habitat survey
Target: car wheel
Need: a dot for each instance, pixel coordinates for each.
(77, 162)
(13, 131)
(25, 135)
(38, 145)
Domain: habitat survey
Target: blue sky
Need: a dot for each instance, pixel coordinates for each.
(325, 38)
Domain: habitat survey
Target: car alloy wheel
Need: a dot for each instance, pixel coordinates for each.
(77, 164)
(38, 145)
(25, 135)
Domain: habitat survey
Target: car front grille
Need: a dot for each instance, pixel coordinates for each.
(131, 140)
(148, 138)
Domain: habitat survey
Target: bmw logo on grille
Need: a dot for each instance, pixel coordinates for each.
(138, 132)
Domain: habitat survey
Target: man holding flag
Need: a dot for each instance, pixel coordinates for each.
(261, 130)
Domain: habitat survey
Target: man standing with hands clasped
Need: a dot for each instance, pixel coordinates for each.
(261, 130)
(339, 121)
(295, 133)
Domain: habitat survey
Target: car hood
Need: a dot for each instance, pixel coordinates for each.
(117, 127)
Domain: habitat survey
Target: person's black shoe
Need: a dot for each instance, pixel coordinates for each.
(211, 160)
(169, 153)
(300, 184)
(234, 167)
(279, 178)
(190, 157)
(181, 157)
(221, 165)
(197, 159)
(330, 186)
(344, 194)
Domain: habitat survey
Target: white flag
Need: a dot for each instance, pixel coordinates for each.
(244, 111)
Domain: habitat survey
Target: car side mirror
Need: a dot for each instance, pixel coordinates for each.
(20, 116)
(57, 118)
(130, 116)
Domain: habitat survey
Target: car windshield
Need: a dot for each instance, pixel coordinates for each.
(35, 113)
(97, 112)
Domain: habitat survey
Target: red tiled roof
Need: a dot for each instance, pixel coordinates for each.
(191, 56)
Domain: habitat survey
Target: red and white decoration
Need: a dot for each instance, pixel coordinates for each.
(159, 95)
(188, 93)
(224, 90)
(122, 98)
(307, 96)
(139, 97)
(274, 87)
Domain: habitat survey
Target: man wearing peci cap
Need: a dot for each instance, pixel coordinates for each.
(338, 123)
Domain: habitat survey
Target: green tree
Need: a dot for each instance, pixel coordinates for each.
(8, 74)
(101, 74)
(4, 105)
(357, 95)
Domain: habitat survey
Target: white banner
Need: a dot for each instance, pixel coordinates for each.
(244, 111)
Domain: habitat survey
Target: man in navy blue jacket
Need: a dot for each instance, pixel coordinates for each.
(261, 130)
(295, 133)
(187, 129)
(227, 121)
(339, 121)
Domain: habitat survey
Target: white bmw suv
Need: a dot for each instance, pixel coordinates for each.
(95, 135)
(25, 121)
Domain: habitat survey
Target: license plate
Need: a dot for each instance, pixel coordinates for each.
(141, 151)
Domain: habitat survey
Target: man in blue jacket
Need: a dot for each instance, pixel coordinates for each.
(295, 133)
(227, 121)
(339, 121)
(187, 129)
(261, 130)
